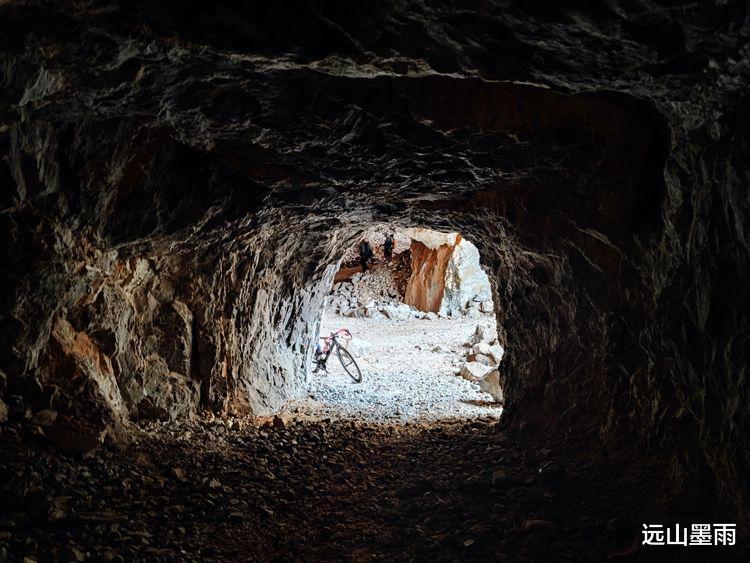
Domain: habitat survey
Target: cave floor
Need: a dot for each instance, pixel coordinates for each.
(285, 489)
(409, 373)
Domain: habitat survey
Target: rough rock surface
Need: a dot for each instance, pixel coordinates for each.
(446, 275)
(467, 286)
(177, 179)
(475, 371)
(426, 286)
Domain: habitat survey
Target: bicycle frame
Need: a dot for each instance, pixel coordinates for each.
(330, 343)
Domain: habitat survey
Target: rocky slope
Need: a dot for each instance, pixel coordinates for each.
(178, 179)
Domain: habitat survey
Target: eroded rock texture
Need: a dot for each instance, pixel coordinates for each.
(426, 285)
(447, 277)
(179, 178)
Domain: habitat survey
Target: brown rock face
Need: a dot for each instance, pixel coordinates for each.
(426, 285)
(178, 183)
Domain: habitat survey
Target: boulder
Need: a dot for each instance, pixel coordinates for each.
(75, 439)
(396, 313)
(496, 352)
(389, 311)
(465, 279)
(45, 417)
(486, 307)
(474, 371)
(485, 359)
(482, 348)
(490, 383)
(483, 334)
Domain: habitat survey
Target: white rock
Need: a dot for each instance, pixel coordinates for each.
(486, 307)
(481, 348)
(484, 359)
(474, 371)
(484, 294)
(464, 277)
(431, 316)
(394, 313)
(497, 352)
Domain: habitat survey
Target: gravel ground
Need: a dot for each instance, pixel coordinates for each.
(404, 380)
(244, 489)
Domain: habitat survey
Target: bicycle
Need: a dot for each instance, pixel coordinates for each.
(330, 342)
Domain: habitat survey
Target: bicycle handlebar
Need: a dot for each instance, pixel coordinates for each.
(335, 333)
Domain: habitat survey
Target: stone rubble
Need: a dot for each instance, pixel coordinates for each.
(375, 294)
(368, 294)
(292, 488)
(483, 355)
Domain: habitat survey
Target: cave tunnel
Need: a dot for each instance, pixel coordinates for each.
(179, 183)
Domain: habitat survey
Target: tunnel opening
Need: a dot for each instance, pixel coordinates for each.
(413, 311)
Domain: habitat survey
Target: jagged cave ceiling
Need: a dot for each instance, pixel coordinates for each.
(178, 180)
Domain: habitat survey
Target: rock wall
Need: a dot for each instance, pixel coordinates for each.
(426, 286)
(447, 277)
(169, 164)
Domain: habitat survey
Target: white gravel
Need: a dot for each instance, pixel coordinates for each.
(403, 379)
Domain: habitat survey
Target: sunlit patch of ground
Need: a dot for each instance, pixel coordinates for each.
(409, 373)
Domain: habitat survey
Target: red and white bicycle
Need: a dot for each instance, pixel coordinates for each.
(331, 343)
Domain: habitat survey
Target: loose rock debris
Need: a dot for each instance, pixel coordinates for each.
(286, 489)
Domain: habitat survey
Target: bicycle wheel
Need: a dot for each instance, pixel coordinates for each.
(348, 363)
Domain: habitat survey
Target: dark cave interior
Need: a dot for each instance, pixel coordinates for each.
(179, 180)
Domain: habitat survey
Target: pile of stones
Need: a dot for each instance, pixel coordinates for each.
(482, 358)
